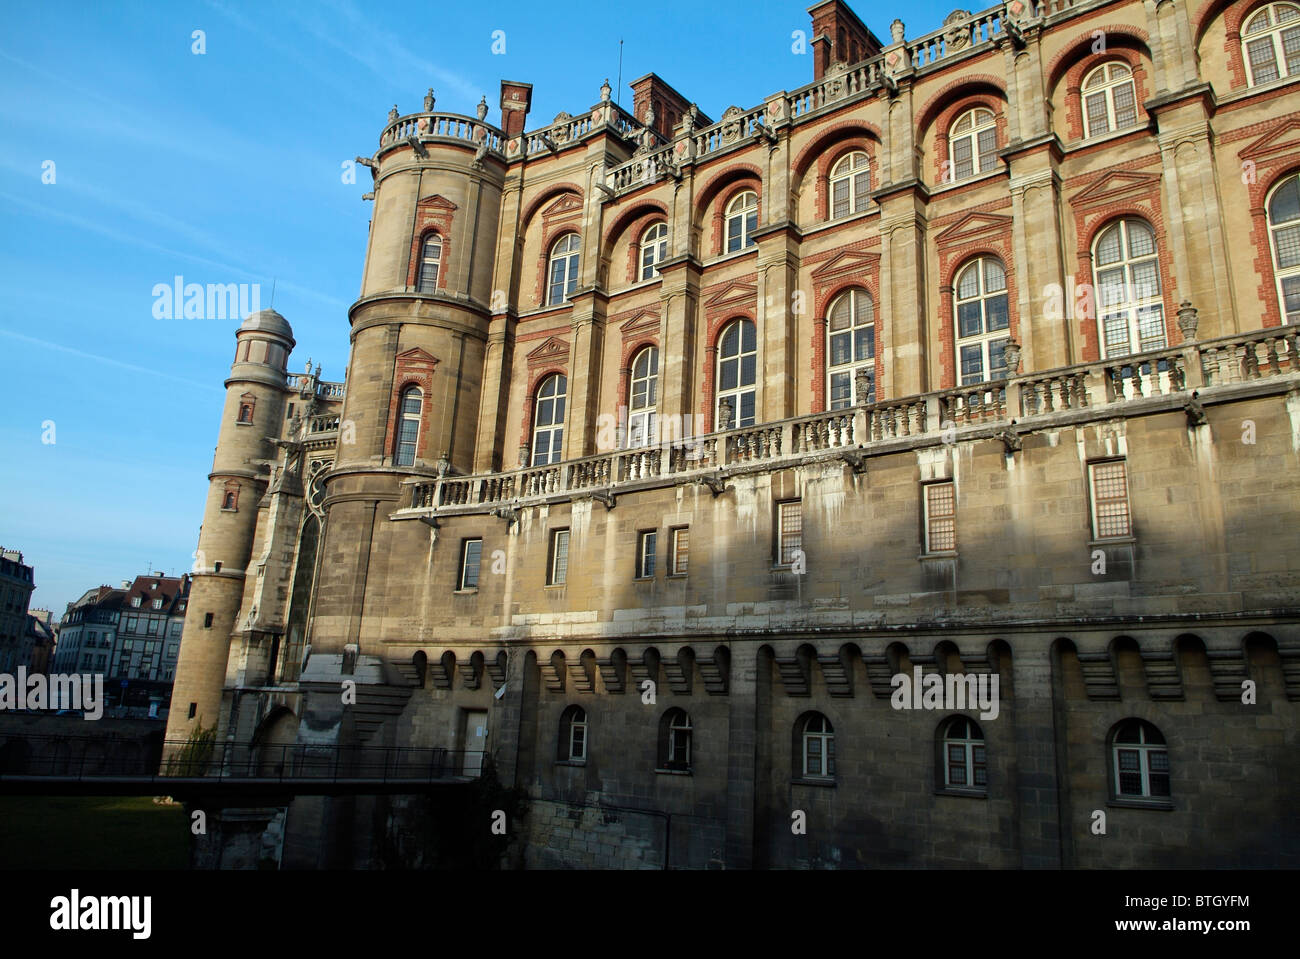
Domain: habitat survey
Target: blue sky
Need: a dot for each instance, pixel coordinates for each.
(225, 167)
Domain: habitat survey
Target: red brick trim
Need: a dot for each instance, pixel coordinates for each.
(1074, 85)
(951, 262)
(950, 114)
(552, 192)
(826, 162)
(232, 486)
(1091, 219)
(1080, 47)
(960, 91)
(1264, 267)
(535, 378)
(433, 214)
(717, 191)
(634, 233)
(412, 368)
(712, 335)
(552, 233)
(828, 137)
(824, 296)
(249, 400)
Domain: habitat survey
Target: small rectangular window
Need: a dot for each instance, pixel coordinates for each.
(680, 545)
(558, 564)
(207, 620)
(1110, 512)
(471, 553)
(789, 532)
(646, 547)
(940, 518)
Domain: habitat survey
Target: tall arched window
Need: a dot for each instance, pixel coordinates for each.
(980, 298)
(643, 397)
(850, 183)
(742, 221)
(1126, 273)
(972, 144)
(564, 268)
(963, 755)
(1271, 43)
(430, 255)
(573, 735)
(1284, 234)
(675, 740)
(816, 748)
(548, 419)
(408, 426)
(1109, 99)
(1139, 761)
(737, 371)
(654, 249)
(850, 346)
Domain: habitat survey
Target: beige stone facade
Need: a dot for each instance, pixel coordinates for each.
(970, 358)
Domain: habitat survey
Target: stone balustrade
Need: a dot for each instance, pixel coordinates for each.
(1100, 389)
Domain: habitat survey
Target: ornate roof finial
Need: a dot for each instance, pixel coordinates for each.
(393, 114)
(428, 101)
(605, 91)
(482, 108)
(896, 31)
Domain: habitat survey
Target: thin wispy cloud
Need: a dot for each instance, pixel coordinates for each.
(110, 361)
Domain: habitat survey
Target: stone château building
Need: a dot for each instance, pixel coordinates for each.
(667, 442)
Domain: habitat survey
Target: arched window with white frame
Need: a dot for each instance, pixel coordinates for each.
(816, 740)
(572, 746)
(1139, 761)
(850, 183)
(654, 250)
(737, 373)
(408, 426)
(1284, 236)
(548, 419)
(642, 399)
(972, 144)
(982, 320)
(964, 765)
(850, 347)
(742, 220)
(430, 259)
(1126, 270)
(564, 268)
(1270, 42)
(1109, 99)
(675, 740)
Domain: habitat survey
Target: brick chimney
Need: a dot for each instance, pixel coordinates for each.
(516, 101)
(838, 34)
(669, 105)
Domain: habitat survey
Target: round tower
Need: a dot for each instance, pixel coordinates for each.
(419, 335)
(251, 421)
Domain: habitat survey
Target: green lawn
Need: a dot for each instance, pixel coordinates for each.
(96, 832)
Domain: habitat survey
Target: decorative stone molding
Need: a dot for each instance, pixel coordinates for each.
(1164, 678)
(469, 675)
(839, 679)
(1228, 667)
(1099, 675)
(714, 673)
(611, 676)
(794, 677)
(583, 681)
